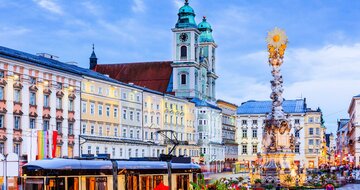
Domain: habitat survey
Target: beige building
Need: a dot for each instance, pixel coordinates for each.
(314, 139)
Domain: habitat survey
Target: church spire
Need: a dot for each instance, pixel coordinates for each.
(93, 59)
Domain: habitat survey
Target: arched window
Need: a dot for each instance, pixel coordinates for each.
(183, 78)
(183, 52)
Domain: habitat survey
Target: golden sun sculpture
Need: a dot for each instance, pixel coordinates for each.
(277, 42)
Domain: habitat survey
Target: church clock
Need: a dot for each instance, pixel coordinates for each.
(183, 37)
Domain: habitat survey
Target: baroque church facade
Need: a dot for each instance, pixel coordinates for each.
(190, 76)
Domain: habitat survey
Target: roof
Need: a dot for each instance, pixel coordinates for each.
(264, 107)
(51, 64)
(153, 75)
(203, 103)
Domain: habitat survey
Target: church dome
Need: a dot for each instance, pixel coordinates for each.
(186, 17)
(204, 25)
(206, 31)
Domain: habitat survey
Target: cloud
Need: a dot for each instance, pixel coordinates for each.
(327, 76)
(50, 5)
(178, 3)
(138, 6)
(92, 9)
(13, 31)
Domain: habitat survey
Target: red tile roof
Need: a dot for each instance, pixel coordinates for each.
(152, 75)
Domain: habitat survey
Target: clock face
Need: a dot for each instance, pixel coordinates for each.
(183, 37)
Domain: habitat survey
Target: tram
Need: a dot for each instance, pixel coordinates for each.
(106, 174)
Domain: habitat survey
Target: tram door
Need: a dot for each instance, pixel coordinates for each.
(96, 183)
(34, 183)
(182, 182)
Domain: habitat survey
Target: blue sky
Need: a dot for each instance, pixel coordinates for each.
(322, 60)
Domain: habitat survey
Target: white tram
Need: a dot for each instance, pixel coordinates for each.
(74, 174)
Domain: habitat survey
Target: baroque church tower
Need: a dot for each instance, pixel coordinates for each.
(193, 57)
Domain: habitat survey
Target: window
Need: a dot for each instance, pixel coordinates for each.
(2, 148)
(311, 131)
(1, 92)
(115, 112)
(124, 132)
(129, 152)
(138, 98)
(131, 115)
(33, 80)
(138, 116)
(46, 125)
(32, 98)
(92, 89)
(124, 95)
(311, 151)
(124, 114)
(89, 149)
(17, 95)
(254, 133)
(131, 134)
(113, 152)
(97, 150)
(254, 122)
(92, 108)
(108, 130)
(58, 103)
(157, 120)
(100, 130)
(138, 134)
(83, 86)
(121, 152)
(100, 111)
(244, 122)
(108, 111)
(244, 149)
(17, 148)
(145, 119)
(297, 121)
(157, 107)
(136, 152)
(297, 148)
(254, 149)
(83, 106)
(311, 119)
(115, 93)
(83, 131)
(297, 134)
(32, 123)
(105, 150)
(71, 129)
(143, 153)
(17, 122)
(317, 142)
(183, 79)
(71, 105)
(244, 133)
(100, 91)
(311, 141)
(46, 100)
(152, 119)
(107, 92)
(317, 131)
(146, 135)
(92, 129)
(183, 52)
(59, 127)
(59, 85)
(115, 131)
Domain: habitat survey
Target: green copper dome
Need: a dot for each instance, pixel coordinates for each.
(186, 17)
(206, 31)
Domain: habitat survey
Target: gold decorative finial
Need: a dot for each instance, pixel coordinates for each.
(277, 43)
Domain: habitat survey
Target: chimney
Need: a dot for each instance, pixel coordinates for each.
(47, 55)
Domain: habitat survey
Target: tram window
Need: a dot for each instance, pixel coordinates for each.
(96, 183)
(157, 180)
(34, 183)
(73, 183)
(132, 182)
(55, 183)
(182, 182)
(146, 183)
